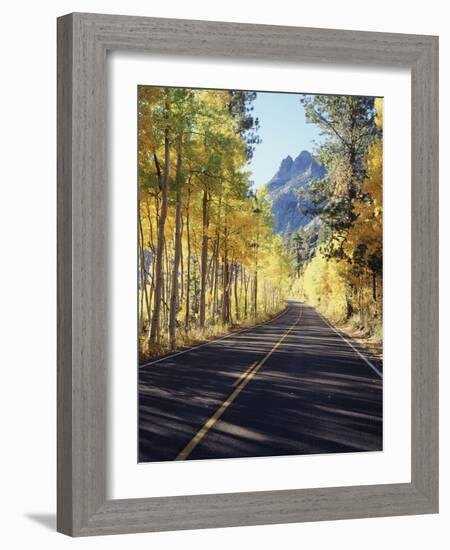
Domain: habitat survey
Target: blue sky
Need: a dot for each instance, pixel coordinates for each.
(283, 130)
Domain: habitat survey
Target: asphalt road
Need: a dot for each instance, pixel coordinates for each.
(291, 386)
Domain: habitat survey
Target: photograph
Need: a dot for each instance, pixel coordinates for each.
(259, 273)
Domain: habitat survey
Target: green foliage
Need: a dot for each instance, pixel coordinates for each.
(348, 126)
(246, 125)
(343, 275)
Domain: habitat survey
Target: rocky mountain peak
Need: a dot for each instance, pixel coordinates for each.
(285, 166)
(302, 162)
(283, 188)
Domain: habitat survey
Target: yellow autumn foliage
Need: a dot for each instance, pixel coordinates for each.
(345, 288)
(231, 269)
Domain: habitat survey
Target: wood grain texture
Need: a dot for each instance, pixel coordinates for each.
(83, 208)
(64, 252)
(424, 280)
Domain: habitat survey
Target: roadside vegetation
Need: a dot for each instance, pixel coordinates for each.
(209, 260)
(337, 262)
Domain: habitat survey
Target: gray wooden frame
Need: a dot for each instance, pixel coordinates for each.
(83, 40)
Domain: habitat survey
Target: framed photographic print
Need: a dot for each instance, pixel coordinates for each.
(247, 274)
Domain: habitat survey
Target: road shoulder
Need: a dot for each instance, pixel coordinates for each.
(368, 346)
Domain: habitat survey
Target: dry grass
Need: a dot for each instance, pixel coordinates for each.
(370, 339)
(196, 336)
(369, 336)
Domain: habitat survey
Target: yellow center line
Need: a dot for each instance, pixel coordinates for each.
(246, 378)
(243, 375)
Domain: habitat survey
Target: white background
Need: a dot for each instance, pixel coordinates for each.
(393, 465)
(28, 300)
